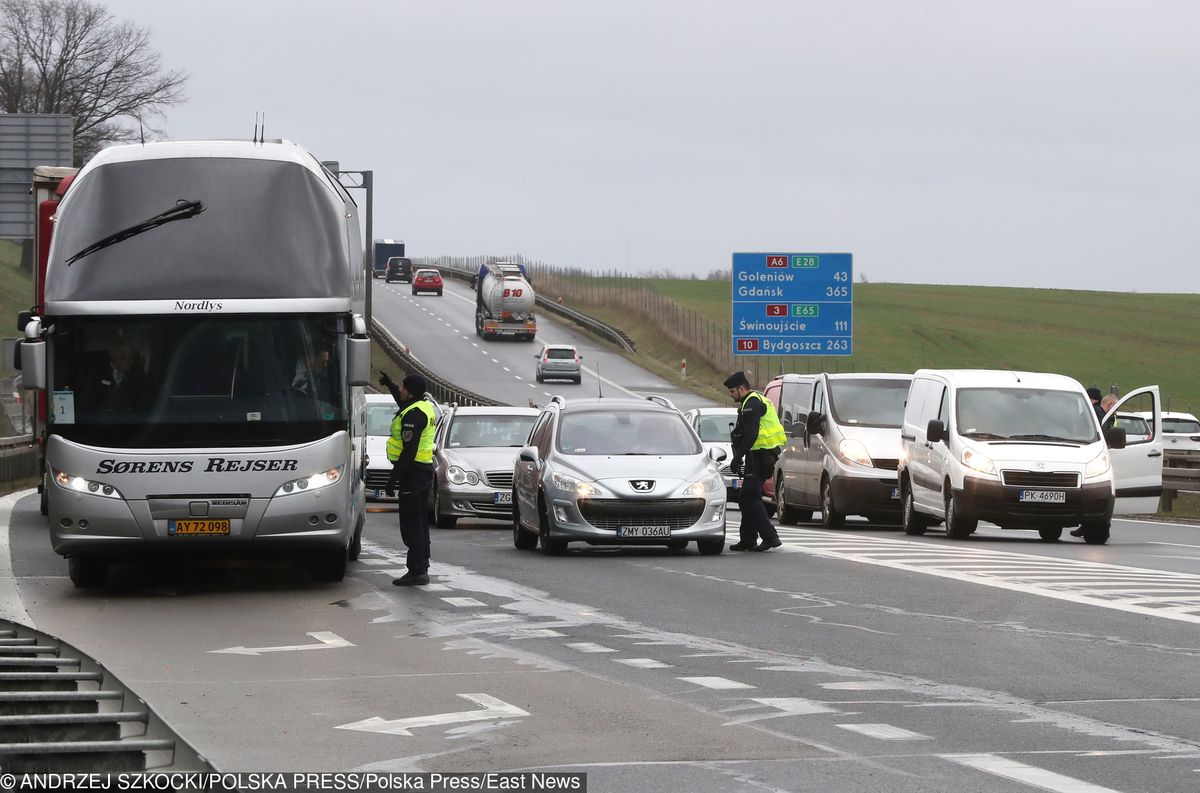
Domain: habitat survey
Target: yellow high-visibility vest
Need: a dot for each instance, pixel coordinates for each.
(770, 431)
(395, 443)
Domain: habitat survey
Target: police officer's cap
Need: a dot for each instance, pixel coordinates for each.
(415, 384)
(736, 380)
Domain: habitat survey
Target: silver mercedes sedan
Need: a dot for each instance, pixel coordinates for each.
(617, 472)
(474, 452)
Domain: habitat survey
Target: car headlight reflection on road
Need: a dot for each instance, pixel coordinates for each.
(709, 484)
(461, 476)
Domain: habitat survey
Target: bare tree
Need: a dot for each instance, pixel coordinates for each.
(72, 56)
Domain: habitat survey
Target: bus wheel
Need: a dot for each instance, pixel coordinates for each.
(356, 543)
(87, 572)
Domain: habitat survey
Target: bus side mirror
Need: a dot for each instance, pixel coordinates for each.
(32, 356)
(358, 354)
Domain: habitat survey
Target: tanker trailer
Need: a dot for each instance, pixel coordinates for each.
(504, 303)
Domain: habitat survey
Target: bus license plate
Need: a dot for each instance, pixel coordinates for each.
(643, 531)
(197, 527)
(1044, 496)
(501, 498)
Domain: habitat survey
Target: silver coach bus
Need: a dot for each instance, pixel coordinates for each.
(203, 349)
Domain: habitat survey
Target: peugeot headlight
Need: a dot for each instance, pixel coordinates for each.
(1098, 466)
(81, 485)
(314, 482)
(854, 451)
(569, 484)
(709, 484)
(461, 476)
(978, 462)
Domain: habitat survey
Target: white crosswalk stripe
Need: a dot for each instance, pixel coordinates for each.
(1158, 593)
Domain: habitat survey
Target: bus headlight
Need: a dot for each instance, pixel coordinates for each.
(315, 482)
(80, 485)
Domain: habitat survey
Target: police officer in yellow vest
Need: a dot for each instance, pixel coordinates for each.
(410, 450)
(756, 438)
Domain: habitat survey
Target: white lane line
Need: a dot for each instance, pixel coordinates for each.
(495, 361)
(474, 344)
(861, 685)
(642, 663)
(589, 647)
(537, 633)
(547, 393)
(780, 707)
(485, 352)
(531, 385)
(715, 682)
(1176, 544)
(1026, 774)
(466, 337)
(465, 602)
(517, 376)
(505, 368)
(885, 732)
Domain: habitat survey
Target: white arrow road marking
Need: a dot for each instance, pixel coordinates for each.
(327, 641)
(492, 709)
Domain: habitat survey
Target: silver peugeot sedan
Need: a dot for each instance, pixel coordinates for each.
(474, 452)
(617, 472)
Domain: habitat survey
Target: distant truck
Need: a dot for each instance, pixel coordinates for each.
(504, 302)
(384, 250)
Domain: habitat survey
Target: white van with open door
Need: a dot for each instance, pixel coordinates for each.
(1022, 450)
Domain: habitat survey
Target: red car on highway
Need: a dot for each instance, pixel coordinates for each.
(427, 280)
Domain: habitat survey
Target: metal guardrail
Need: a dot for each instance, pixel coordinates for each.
(589, 323)
(19, 459)
(442, 390)
(1181, 471)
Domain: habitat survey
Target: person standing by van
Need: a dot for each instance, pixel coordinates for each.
(756, 439)
(410, 450)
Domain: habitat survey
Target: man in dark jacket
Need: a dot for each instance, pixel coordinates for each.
(756, 438)
(410, 450)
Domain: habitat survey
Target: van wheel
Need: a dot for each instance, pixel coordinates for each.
(830, 517)
(957, 527)
(789, 515)
(1095, 533)
(1050, 535)
(87, 572)
(914, 523)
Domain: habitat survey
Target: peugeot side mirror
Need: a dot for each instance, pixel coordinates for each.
(718, 454)
(529, 454)
(1115, 437)
(935, 432)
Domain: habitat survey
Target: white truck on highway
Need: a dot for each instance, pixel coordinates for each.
(504, 302)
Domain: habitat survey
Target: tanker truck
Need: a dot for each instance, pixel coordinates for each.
(504, 302)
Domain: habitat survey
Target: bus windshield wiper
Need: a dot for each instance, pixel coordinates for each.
(181, 211)
(1040, 437)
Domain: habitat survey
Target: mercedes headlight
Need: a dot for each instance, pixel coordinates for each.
(314, 482)
(569, 484)
(854, 451)
(709, 484)
(978, 462)
(1098, 467)
(81, 485)
(461, 476)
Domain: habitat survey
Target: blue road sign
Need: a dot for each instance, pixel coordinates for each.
(793, 304)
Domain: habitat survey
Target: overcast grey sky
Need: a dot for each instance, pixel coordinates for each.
(1045, 144)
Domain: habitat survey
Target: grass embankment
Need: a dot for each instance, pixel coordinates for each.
(16, 289)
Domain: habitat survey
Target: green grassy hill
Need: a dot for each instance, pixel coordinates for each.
(16, 288)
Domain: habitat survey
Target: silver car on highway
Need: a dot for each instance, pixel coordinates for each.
(617, 472)
(474, 452)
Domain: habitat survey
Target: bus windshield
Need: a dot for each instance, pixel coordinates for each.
(198, 380)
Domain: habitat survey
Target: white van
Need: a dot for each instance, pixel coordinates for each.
(1022, 450)
(843, 451)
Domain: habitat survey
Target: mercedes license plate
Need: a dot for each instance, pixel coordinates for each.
(895, 493)
(197, 527)
(643, 531)
(736, 484)
(1044, 496)
(501, 498)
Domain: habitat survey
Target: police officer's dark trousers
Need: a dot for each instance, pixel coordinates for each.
(756, 523)
(413, 498)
